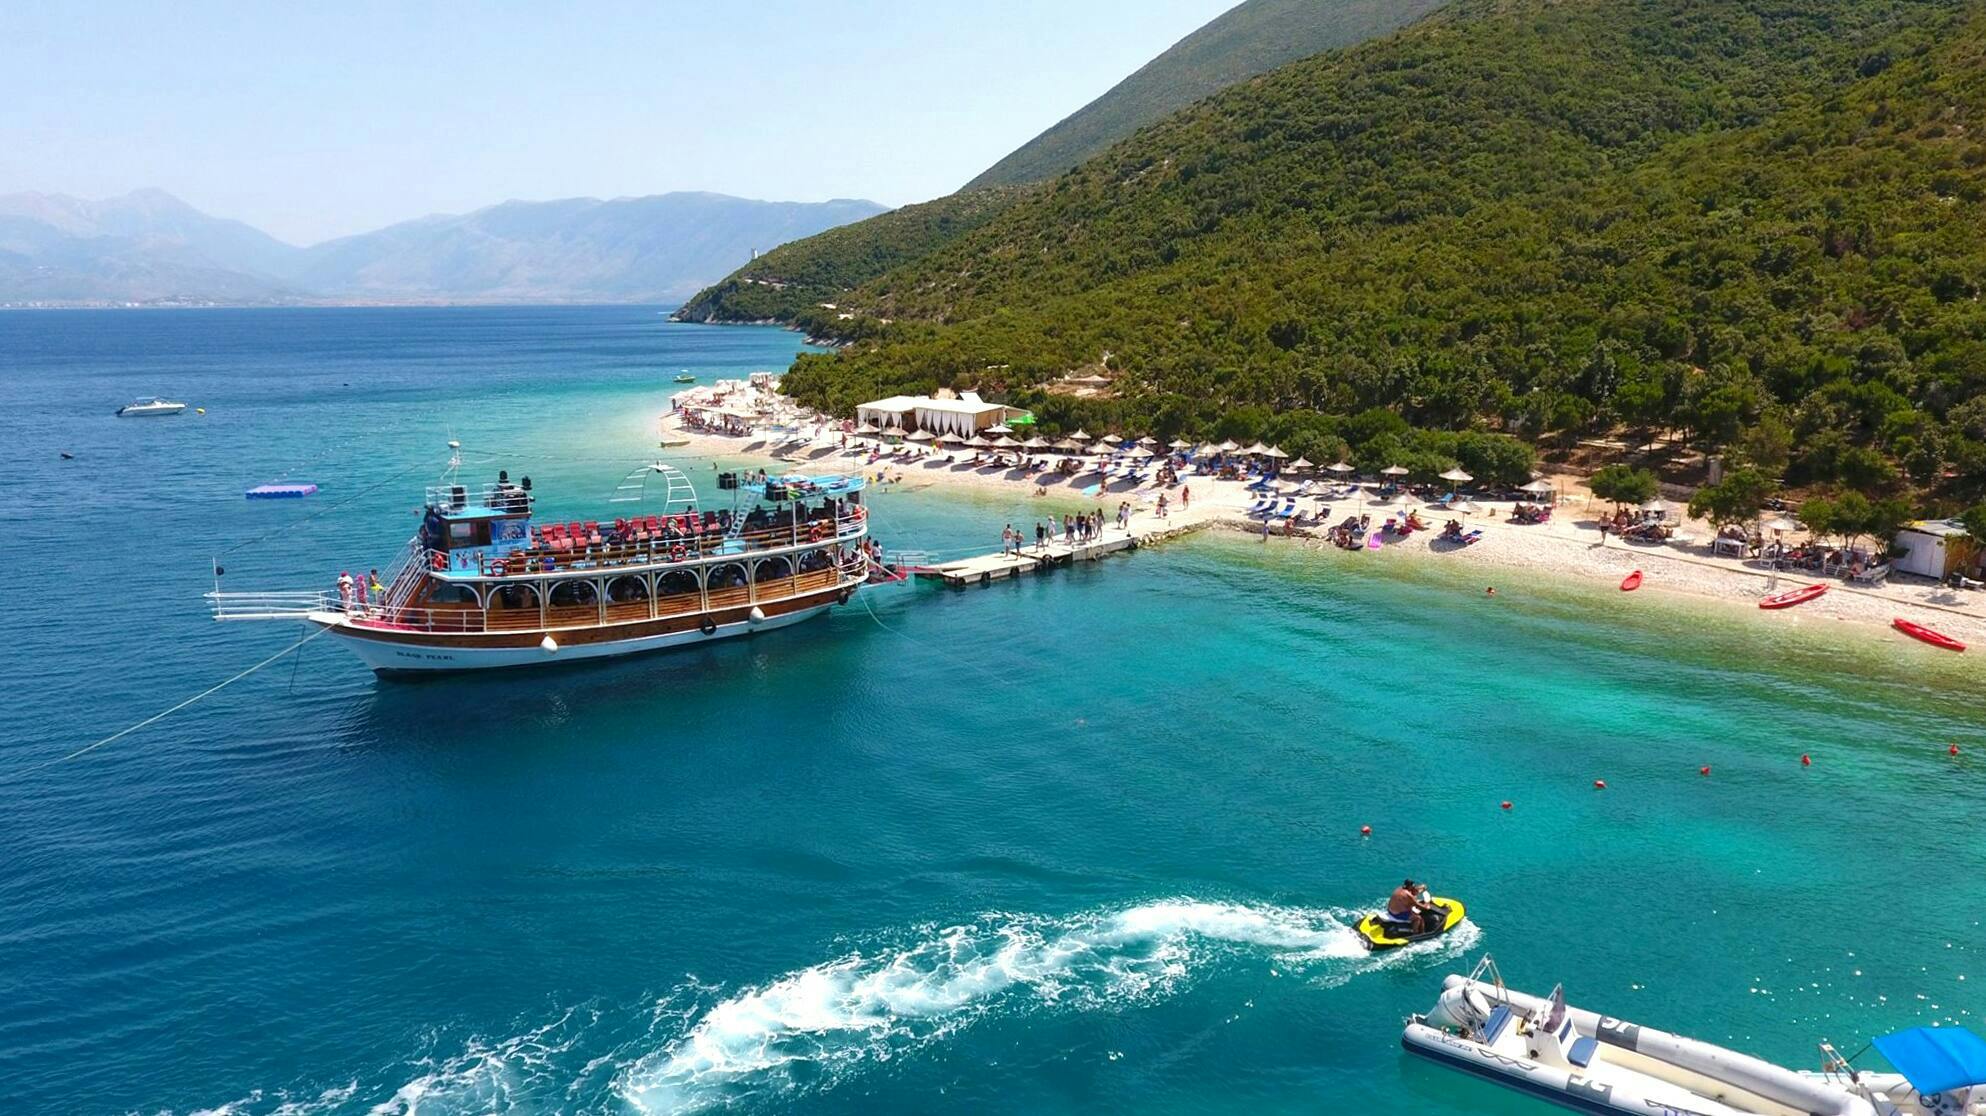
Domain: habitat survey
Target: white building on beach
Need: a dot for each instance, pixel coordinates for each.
(965, 416)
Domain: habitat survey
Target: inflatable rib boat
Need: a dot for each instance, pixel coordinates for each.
(1591, 1063)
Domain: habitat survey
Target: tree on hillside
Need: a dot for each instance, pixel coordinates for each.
(1735, 499)
(1623, 484)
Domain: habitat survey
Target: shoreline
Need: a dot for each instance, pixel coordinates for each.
(1565, 546)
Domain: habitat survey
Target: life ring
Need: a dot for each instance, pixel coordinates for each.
(817, 532)
(677, 553)
(707, 626)
(440, 560)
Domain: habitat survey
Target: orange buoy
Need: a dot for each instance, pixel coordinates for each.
(1599, 784)
(1806, 761)
(1365, 831)
(1704, 770)
(1954, 749)
(1506, 804)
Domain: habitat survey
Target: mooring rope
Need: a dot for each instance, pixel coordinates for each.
(216, 688)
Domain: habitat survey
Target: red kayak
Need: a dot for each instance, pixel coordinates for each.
(1631, 582)
(1792, 597)
(1931, 636)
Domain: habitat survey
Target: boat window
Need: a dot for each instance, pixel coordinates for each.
(815, 560)
(676, 583)
(626, 589)
(728, 576)
(772, 569)
(568, 593)
(447, 593)
(514, 596)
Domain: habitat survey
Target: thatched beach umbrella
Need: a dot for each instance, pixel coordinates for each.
(1080, 436)
(1069, 445)
(1228, 446)
(977, 442)
(1179, 444)
(921, 436)
(1036, 442)
(866, 429)
(1112, 440)
(1148, 442)
(1208, 448)
(1004, 442)
(1276, 452)
(1256, 450)
(1302, 463)
(1539, 487)
(1395, 470)
(1340, 468)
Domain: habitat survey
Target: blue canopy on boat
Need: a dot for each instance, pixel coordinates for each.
(1936, 1059)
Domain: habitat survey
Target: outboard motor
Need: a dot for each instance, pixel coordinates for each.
(1462, 1008)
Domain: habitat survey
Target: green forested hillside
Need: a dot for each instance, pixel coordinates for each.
(794, 279)
(1251, 38)
(1762, 225)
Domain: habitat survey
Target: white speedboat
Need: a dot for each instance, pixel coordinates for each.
(139, 408)
(1586, 1062)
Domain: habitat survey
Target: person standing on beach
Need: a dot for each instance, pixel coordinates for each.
(1185, 496)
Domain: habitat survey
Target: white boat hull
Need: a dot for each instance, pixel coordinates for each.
(418, 658)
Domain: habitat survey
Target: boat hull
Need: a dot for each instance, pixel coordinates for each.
(389, 652)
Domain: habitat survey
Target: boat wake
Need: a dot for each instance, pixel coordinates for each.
(808, 1028)
(702, 1046)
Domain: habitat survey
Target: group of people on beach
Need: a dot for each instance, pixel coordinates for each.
(1075, 529)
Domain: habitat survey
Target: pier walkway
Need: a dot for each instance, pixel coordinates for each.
(985, 569)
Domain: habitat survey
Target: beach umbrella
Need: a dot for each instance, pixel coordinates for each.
(1395, 470)
(1148, 441)
(977, 442)
(1003, 428)
(1004, 442)
(922, 436)
(1112, 440)
(1080, 436)
(1256, 450)
(1538, 487)
(1780, 524)
(1340, 468)
(1208, 448)
(1036, 442)
(1139, 452)
(1656, 504)
(1228, 446)
(866, 428)
(1303, 463)
(1180, 444)
(1456, 476)
(1275, 452)
(1069, 445)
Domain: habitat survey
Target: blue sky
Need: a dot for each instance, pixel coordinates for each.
(318, 120)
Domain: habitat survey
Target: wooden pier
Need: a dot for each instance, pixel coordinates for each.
(986, 569)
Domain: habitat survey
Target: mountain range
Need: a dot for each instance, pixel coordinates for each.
(149, 247)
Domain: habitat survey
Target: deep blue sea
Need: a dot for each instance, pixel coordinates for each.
(1082, 842)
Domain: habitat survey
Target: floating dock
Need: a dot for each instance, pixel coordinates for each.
(280, 491)
(986, 569)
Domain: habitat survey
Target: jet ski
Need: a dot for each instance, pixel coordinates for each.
(1378, 932)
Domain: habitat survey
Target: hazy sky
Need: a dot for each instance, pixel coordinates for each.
(317, 120)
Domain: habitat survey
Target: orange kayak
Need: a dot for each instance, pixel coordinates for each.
(1631, 582)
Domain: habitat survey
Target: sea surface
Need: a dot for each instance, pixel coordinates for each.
(1082, 842)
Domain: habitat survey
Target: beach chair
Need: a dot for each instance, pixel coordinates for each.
(1260, 507)
(1289, 509)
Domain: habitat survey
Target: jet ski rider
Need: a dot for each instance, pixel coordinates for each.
(1405, 906)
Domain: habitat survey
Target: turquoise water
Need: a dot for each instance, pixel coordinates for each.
(1076, 842)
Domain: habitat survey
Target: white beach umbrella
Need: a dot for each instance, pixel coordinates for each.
(1148, 441)
(1180, 444)
(1456, 476)
(1003, 428)
(1112, 440)
(1395, 470)
(1780, 524)
(1276, 452)
(1656, 504)
(1207, 448)
(1340, 468)
(1256, 450)
(866, 428)
(1139, 452)
(1539, 487)
(1080, 436)
(922, 436)
(1302, 463)
(1228, 446)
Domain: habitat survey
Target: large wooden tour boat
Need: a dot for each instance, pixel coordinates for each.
(486, 584)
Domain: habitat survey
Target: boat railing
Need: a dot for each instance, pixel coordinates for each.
(277, 605)
(657, 550)
(497, 495)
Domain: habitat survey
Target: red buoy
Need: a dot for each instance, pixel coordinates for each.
(1704, 770)
(1365, 831)
(1599, 784)
(1806, 761)
(1954, 749)
(1506, 804)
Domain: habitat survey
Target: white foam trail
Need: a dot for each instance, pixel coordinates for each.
(814, 1023)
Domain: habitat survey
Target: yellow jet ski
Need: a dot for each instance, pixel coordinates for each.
(1378, 933)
